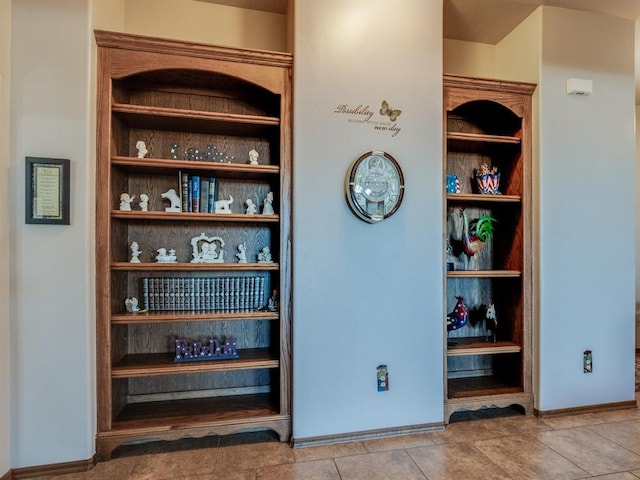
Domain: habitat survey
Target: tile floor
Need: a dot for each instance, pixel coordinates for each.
(604, 445)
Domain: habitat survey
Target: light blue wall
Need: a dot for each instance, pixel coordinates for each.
(587, 210)
(366, 294)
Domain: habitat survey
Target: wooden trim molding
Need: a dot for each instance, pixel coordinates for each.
(51, 469)
(7, 476)
(366, 435)
(602, 407)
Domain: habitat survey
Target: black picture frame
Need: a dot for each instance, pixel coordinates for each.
(47, 190)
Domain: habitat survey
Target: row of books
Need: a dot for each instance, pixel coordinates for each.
(204, 294)
(198, 194)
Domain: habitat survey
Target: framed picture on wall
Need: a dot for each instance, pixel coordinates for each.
(47, 190)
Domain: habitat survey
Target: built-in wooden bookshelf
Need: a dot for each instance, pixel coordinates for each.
(167, 92)
(489, 122)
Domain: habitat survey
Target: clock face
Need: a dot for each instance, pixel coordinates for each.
(374, 186)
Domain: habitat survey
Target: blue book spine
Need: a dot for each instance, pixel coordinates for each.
(195, 205)
(212, 195)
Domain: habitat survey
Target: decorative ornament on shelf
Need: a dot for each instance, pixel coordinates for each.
(142, 149)
(253, 157)
(242, 253)
(131, 305)
(125, 202)
(267, 208)
(135, 253)
(488, 180)
(223, 206)
(476, 233)
(491, 321)
(207, 249)
(264, 255)
(174, 151)
(449, 263)
(458, 317)
(144, 202)
(453, 184)
(173, 197)
(214, 349)
(251, 207)
(164, 257)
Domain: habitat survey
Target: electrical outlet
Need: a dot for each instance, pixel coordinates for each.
(587, 361)
(382, 373)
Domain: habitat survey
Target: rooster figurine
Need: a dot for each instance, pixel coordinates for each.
(474, 238)
(458, 317)
(491, 321)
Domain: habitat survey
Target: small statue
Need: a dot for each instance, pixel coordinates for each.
(272, 303)
(251, 207)
(223, 206)
(267, 208)
(242, 253)
(207, 249)
(125, 202)
(164, 257)
(131, 304)
(458, 318)
(142, 148)
(135, 253)
(253, 157)
(491, 321)
(144, 202)
(264, 255)
(173, 197)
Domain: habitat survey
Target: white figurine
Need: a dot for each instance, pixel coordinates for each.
(264, 255)
(242, 253)
(251, 207)
(253, 157)
(207, 249)
(125, 202)
(267, 208)
(164, 257)
(173, 197)
(144, 202)
(131, 304)
(142, 148)
(223, 206)
(135, 253)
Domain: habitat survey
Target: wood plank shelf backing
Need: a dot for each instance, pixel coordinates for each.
(205, 114)
(488, 128)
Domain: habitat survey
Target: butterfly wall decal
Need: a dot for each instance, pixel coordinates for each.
(385, 109)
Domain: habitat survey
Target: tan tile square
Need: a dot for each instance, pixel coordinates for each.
(590, 451)
(523, 457)
(463, 432)
(379, 466)
(254, 455)
(615, 476)
(516, 425)
(316, 470)
(636, 473)
(233, 475)
(456, 462)
(116, 468)
(329, 451)
(400, 442)
(626, 415)
(175, 464)
(626, 434)
(572, 421)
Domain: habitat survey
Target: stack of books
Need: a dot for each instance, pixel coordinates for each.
(198, 194)
(204, 294)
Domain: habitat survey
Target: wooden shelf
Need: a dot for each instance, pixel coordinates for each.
(173, 317)
(142, 116)
(165, 166)
(479, 386)
(150, 364)
(482, 138)
(193, 267)
(478, 198)
(196, 411)
(479, 346)
(484, 274)
(194, 217)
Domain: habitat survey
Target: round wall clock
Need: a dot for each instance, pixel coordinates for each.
(374, 186)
